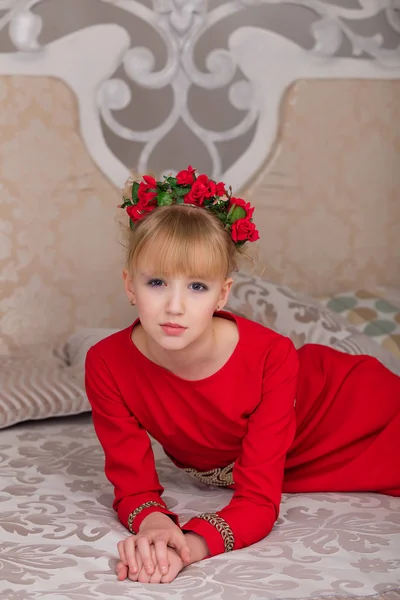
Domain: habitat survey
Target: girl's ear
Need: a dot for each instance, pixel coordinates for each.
(225, 290)
(128, 284)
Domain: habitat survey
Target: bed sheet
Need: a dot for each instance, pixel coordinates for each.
(59, 533)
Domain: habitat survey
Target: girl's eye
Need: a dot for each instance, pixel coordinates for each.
(155, 283)
(198, 287)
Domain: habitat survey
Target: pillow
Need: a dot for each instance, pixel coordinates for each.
(74, 350)
(370, 313)
(293, 314)
(39, 387)
(44, 384)
(358, 343)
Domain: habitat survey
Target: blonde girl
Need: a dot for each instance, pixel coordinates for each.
(231, 402)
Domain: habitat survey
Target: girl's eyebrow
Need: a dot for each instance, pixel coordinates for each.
(145, 275)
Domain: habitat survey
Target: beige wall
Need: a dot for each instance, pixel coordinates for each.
(327, 202)
(328, 199)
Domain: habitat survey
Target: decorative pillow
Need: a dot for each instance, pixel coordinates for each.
(74, 350)
(359, 343)
(372, 314)
(294, 314)
(44, 384)
(39, 387)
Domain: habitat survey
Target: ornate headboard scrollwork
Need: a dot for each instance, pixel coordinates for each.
(269, 45)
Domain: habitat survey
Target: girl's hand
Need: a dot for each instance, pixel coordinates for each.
(175, 565)
(158, 531)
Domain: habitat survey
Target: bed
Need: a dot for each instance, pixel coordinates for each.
(330, 257)
(59, 533)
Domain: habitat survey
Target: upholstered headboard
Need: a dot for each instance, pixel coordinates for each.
(297, 108)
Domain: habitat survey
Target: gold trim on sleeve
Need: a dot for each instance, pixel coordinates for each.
(219, 476)
(222, 527)
(138, 510)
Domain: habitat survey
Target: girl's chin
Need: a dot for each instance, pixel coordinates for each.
(173, 343)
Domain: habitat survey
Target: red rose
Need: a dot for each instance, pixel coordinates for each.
(245, 205)
(186, 177)
(204, 188)
(133, 212)
(200, 190)
(147, 201)
(220, 189)
(147, 190)
(243, 230)
(138, 211)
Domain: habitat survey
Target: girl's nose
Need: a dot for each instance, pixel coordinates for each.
(175, 303)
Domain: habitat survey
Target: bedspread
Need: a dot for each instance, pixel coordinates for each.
(59, 533)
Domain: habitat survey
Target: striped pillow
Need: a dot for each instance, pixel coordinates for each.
(75, 348)
(39, 387)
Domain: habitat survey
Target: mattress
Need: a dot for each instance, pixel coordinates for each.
(59, 533)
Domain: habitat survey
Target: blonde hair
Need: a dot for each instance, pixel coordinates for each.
(182, 240)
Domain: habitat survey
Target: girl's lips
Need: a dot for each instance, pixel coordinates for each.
(172, 328)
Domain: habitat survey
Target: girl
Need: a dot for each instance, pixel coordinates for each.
(232, 402)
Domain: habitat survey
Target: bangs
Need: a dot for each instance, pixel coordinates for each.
(177, 253)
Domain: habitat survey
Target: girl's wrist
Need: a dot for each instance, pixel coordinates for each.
(155, 519)
(197, 545)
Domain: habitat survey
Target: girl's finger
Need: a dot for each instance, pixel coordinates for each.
(143, 576)
(179, 544)
(135, 576)
(130, 555)
(157, 575)
(161, 556)
(121, 552)
(145, 553)
(173, 571)
(122, 571)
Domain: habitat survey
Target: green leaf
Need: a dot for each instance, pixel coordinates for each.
(237, 213)
(221, 216)
(182, 191)
(164, 199)
(135, 187)
(171, 180)
(131, 224)
(211, 207)
(180, 200)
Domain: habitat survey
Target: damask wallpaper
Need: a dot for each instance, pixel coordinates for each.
(297, 103)
(327, 205)
(61, 258)
(328, 200)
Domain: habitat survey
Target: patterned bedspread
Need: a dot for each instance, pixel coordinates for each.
(59, 533)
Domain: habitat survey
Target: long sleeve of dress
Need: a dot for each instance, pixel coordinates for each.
(258, 472)
(129, 459)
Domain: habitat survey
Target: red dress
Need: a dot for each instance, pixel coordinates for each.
(272, 419)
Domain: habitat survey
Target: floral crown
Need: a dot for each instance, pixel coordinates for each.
(196, 190)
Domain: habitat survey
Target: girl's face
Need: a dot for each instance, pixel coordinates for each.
(175, 311)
